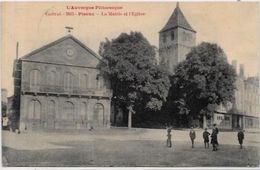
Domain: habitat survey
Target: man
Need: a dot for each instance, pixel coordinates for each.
(240, 136)
(168, 141)
(214, 138)
(206, 138)
(192, 136)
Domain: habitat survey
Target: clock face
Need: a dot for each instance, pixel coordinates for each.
(70, 53)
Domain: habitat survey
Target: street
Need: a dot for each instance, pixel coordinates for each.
(122, 147)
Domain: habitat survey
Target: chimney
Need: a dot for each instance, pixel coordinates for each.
(241, 70)
(234, 64)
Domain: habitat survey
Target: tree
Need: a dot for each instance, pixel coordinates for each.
(136, 80)
(204, 80)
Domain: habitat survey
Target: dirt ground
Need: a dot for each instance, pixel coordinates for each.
(123, 147)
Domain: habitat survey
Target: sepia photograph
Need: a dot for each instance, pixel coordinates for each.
(130, 84)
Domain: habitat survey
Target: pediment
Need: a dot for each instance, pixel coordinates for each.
(67, 50)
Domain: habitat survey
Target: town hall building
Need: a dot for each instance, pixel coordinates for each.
(61, 86)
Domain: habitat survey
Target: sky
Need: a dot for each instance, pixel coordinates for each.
(232, 25)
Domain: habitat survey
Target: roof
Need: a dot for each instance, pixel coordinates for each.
(60, 40)
(177, 19)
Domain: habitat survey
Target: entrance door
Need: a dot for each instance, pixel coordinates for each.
(98, 116)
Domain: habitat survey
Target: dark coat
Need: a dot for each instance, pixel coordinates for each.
(214, 136)
(240, 136)
(206, 136)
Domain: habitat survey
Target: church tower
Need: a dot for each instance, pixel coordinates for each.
(176, 39)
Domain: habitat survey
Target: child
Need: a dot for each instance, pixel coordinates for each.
(240, 136)
(192, 136)
(206, 138)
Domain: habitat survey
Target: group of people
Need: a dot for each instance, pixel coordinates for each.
(206, 135)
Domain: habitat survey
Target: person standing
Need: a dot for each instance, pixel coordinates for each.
(214, 138)
(216, 129)
(206, 138)
(192, 136)
(168, 141)
(240, 136)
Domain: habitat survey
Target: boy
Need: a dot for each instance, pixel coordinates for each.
(240, 136)
(192, 136)
(206, 138)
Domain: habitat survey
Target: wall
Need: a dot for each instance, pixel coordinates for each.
(58, 118)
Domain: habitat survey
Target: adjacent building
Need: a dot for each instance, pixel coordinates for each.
(61, 86)
(244, 111)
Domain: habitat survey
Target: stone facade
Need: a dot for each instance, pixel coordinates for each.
(175, 40)
(244, 111)
(247, 98)
(62, 87)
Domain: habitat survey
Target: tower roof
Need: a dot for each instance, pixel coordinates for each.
(177, 19)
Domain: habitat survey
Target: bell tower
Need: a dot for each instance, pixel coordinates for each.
(176, 39)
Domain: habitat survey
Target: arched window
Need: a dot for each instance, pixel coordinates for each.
(84, 81)
(51, 78)
(68, 81)
(68, 111)
(98, 116)
(99, 82)
(83, 112)
(34, 110)
(51, 109)
(35, 78)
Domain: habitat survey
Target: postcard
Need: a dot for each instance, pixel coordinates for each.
(130, 84)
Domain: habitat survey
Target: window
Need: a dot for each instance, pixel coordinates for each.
(51, 109)
(68, 81)
(34, 78)
(34, 110)
(98, 116)
(99, 82)
(83, 112)
(227, 118)
(68, 111)
(219, 118)
(84, 81)
(172, 35)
